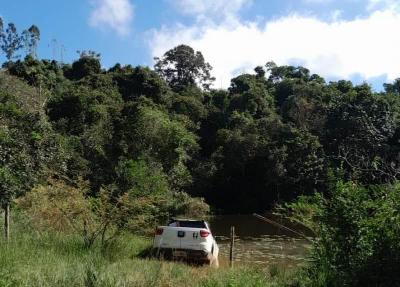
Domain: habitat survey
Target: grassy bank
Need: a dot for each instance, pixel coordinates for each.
(32, 259)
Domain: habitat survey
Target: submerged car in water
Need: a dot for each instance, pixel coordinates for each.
(186, 239)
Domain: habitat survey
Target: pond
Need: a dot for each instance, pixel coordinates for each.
(258, 242)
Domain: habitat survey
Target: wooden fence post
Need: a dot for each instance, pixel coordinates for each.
(7, 222)
(232, 247)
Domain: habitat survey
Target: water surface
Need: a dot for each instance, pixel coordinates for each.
(258, 242)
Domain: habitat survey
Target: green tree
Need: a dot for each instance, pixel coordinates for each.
(279, 73)
(249, 94)
(27, 149)
(148, 132)
(44, 75)
(85, 114)
(393, 88)
(306, 106)
(87, 64)
(141, 178)
(10, 40)
(359, 128)
(188, 102)
(358, 237)
(31, 38)
(139, 81)
(182, 67)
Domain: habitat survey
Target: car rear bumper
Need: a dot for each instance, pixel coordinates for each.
(187, 254)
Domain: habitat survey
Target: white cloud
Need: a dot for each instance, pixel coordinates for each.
(367, 47)
(382, 4)
(114, 14)
(336, 14)
(204, 8)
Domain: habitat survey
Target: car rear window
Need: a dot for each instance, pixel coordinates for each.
(190, 224)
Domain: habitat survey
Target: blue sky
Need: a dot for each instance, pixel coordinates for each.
(352, 39)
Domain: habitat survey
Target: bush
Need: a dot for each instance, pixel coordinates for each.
(185, 205)
(358, 241)
(147, 201)
(55, 206)
(61, 208)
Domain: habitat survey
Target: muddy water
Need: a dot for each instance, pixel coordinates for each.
(258, 242)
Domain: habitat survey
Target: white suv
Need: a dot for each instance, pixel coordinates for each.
(186, 239)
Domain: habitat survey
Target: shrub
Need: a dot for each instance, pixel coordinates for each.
(62, 208)
(185, 205)
(358, 241)
(66, 209)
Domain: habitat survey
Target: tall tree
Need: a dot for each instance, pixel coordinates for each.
(31, 39)
(10, 40)
(28, 148)
(182, 67)
(393, 88)
(359, 128)
(8, 188)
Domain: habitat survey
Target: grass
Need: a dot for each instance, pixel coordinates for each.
(32, 259)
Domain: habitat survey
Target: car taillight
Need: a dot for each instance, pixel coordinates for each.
(204, 233)
(159, 231)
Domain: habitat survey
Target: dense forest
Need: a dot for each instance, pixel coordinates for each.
(99, 151)
(271, 136)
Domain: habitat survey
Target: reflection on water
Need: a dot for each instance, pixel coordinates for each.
(258, 242)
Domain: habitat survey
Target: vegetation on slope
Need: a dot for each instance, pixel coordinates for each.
(93, 154)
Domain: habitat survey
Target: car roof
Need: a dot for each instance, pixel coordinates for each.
(183, 219)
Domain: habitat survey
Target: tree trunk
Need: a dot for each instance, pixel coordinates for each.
(7, 221)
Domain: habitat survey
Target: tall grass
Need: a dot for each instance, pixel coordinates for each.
(32, 259)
